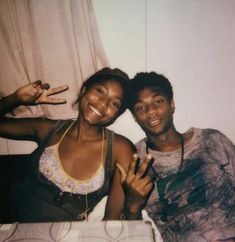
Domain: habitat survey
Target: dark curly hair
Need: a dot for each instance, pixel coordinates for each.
(151, 80)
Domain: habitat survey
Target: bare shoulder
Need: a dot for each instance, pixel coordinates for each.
(123, 150)
(121, 141)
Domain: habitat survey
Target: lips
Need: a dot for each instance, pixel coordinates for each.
(153, 122)
(96, 111)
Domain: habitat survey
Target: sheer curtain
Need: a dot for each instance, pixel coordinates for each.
(51, 40)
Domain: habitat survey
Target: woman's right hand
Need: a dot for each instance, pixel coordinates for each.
(39, 93)
(28, 128)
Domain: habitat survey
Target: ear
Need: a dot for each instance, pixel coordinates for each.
(172, 105)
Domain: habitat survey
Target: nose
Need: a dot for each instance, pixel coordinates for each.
(151, 110)
(102, 102)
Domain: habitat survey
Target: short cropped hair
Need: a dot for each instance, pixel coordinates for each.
(150, 80)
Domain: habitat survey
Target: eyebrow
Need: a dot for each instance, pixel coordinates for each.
(103, 85)
(159, 94)
(155, 94)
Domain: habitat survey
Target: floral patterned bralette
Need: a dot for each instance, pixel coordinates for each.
(51, 167)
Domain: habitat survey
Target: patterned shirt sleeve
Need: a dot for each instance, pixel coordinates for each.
(226, 151)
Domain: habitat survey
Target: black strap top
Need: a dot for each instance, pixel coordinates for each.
(39, 200)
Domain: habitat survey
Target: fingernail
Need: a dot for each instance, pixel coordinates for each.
(46, 86)
(135, 156)
(149, 156)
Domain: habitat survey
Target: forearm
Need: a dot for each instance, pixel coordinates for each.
(8, 103)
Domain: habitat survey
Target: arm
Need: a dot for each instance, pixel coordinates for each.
(123, 151)
(31, 94)
(131, 186)
(8, 103)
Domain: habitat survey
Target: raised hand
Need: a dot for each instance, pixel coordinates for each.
(137, 185)
(38, 93)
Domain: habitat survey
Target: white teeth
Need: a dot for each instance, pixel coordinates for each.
(154, 122)
(95, 111)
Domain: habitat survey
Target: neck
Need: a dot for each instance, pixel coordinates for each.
(87, 132)
(169, 140)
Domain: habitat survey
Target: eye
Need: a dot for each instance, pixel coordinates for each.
(100, 90)
(159, 100)
(116, 104)
(139, 108)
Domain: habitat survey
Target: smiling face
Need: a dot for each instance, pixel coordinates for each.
(100, 103)
(153, 111)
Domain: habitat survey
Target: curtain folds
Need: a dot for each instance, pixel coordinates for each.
(55, 41)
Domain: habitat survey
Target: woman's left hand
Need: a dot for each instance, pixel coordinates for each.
(137, 185)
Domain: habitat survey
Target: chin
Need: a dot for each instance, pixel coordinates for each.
(90, 120)
(155, 130)
(100, 123)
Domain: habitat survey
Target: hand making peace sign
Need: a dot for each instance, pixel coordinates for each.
(137, 185)
(39, 93)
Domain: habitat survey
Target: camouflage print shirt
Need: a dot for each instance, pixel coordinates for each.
(197, 203)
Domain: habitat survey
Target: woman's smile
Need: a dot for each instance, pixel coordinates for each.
(96, 111)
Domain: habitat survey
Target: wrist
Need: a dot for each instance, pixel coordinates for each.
(16, 98)
(8, 103)
(132, 212)
(130, 215)
(133, 205)
(14, 101)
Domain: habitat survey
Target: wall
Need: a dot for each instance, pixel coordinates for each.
(189, 41)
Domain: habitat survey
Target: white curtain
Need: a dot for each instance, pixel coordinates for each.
(51, 40)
